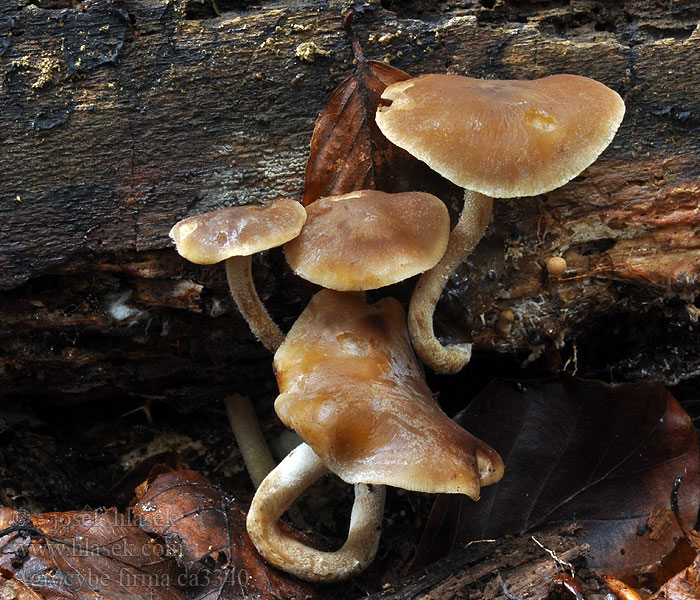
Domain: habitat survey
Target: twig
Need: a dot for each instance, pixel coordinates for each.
(559, 561)
(350, 32)
(690, 535)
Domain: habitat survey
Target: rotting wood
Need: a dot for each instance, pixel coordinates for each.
(120, 118)
(481, 570)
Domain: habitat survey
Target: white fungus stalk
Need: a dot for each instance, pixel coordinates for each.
(299, 470)
(249, 438)
(470, 228)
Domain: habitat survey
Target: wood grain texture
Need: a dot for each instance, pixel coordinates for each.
(121, 117)
(481, 570)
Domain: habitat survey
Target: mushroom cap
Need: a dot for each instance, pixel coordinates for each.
(368, 239)
(499, 137)
(354, 391)
(237, 231)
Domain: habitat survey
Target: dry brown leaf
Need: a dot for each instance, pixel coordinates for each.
(683, 586)
(14, 589)
(86, 554)
(349, 153)
(206, 531)
(578, 451)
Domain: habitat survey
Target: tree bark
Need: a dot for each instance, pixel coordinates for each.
(121, 117)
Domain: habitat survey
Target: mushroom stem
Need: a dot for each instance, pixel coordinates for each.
(240, 282)
(299, 470)
(249, 438)
(470, 228)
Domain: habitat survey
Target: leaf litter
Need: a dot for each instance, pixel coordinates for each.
(604, 456)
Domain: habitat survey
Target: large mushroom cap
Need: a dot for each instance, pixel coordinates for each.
(502, 138)
(354, 391)
(237, 231)
(368, 239)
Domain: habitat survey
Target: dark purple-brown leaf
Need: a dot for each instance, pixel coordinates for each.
(349, 153)
(604, 456)
(683, 586)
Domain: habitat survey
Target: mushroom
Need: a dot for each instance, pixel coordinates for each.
(504, 324)
(368, 239)
(496, 139)
(556, 266)
(352, 388)
(234, 234)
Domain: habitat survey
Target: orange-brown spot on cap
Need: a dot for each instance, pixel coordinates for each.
(237, 231)
(502, 138)
(368, 239)
(352, 388)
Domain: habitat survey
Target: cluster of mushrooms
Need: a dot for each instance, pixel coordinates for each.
(350, 383)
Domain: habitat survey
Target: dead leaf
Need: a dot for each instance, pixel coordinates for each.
(206, 531)
(601, 455)
(349, 153)
(684, 586)
(653, 576)
(14, 589)
(86, 554)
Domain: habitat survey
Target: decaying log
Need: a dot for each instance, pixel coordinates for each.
(121, 117)
(525, 565)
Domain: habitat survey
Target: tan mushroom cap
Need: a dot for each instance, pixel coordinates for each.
(502, 138)
(368, 239)
(354, 391)
(238, 231)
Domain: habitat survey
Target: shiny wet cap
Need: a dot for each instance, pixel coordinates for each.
(352, 388)
(502, 138)
(237, 231)
(368, 239)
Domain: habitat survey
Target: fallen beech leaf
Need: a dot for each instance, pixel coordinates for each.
(349, 153)
(86, 554)
(684, 586)
(655, 575)
(14, 589)
(604, 456)
(206, 531)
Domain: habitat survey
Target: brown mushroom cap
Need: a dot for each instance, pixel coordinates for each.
(368, 239)
(238, 231)
(354, 391)
(502, 138)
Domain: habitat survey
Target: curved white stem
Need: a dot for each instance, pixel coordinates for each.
(240, 282)
(301, 468)
(470, 228)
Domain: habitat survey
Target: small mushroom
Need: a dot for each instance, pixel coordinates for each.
(556, 266)
(234, 234)
(504, 324)
(368, 239)
(352, 388)
(494, 138)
